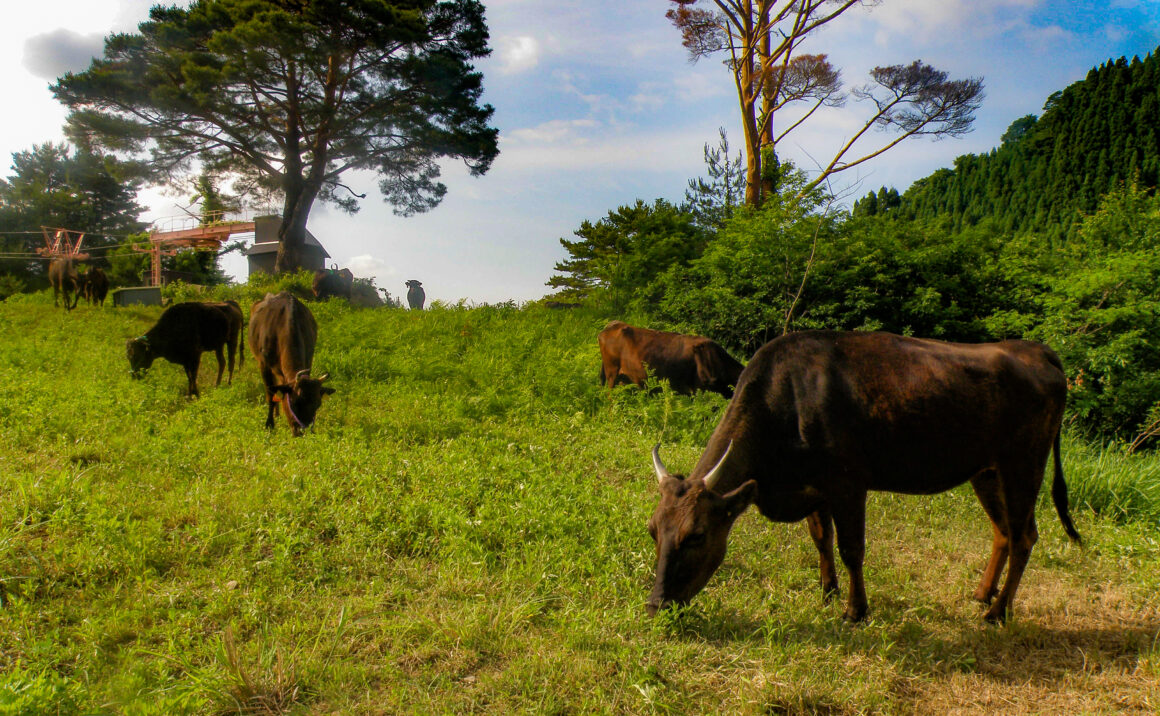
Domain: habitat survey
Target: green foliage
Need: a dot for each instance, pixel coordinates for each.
(712, 200)
(616, 259)
(289, 96)
(58, 186)
(464, 530)
(1103, 314)
(1050, 170)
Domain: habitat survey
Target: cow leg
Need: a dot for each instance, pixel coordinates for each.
(268, 380)
(821, 527)
(233, 349)
(850, 520)
(221, 364)
(1020, 489)
(986, 486)
(191, 374)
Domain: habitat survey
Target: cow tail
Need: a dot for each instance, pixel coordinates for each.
(1059, 496)
(603, 380)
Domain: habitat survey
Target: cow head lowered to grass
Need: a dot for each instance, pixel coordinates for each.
(821, 418)
(282, 337)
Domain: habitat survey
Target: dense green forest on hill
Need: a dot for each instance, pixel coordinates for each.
(1092, 137)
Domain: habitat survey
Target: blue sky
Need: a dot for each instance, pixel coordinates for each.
(598, 106)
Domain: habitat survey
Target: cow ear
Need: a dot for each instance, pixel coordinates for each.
(327, 391)
(737, 500)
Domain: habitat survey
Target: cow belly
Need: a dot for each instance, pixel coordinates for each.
(789, 506)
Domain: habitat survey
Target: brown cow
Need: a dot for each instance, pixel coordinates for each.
(62, 274)
(282, 337)
(820, 418)
(333, 283)
(185, 331)
(689, 363)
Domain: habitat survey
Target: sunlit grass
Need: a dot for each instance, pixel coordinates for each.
(464, 530)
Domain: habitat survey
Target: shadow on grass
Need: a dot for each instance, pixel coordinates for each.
(1035, 649)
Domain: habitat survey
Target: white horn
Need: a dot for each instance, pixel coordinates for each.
(712, 477)
(304, 372)
(659, 466)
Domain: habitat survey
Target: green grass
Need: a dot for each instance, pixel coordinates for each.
(464, 530)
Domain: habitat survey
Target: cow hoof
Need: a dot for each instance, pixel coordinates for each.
(854, 616)
(830, 593)
(995, 616)
(984, 597)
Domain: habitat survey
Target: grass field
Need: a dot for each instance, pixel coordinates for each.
(464, 531)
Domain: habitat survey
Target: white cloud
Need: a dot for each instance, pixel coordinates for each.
(51, 54)
(368, 266)
(518, 54)
(553, 132)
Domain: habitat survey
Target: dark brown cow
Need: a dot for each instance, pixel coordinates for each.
(62, 274)
(821, 418)
(94, 286)
(689, 363)
(185, 331)
(333, 283)
(282, 337)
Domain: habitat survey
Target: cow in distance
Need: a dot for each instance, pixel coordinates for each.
(415, 295)
(333, 283)
(62, 274)
(821, 418)
(185, 331)
(283, 333)
(94, 286)
(689, 363)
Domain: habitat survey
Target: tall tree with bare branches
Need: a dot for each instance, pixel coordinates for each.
(761, 40)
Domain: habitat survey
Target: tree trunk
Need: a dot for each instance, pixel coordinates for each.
(292, 233)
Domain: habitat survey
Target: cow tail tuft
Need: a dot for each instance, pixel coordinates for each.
(1059, 496)
(603, 380)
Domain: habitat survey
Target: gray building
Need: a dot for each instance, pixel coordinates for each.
(264, 252)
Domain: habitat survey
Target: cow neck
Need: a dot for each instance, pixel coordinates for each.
(728, 478)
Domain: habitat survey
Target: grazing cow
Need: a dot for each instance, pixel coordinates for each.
(333, 282)
(820, 418)
(183, 332)
(62, 274)
(689, 363)
(94, 286)
(282, 336)
(415, 295)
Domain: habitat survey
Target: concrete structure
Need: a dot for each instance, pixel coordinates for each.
(262, 254)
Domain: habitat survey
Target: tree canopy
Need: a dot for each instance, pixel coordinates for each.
(289, 95)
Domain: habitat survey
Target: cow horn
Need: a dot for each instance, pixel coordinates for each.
(712, 477)
(300, 374)
(322, 378)
(659, 466)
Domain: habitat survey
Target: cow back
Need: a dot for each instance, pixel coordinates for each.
(913, 415)
(282, 335)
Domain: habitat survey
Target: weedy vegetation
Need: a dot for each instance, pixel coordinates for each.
(463, 530)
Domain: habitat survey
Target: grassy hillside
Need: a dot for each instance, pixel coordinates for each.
(464, 530)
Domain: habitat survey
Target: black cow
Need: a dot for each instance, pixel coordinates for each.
(333, 283)
(821, 418)
(93, 286)
(689, 363)
(183, 332)
(282, 337)
(415, 295)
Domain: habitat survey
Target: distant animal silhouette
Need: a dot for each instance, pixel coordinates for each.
(62, 274)
(415, 295)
